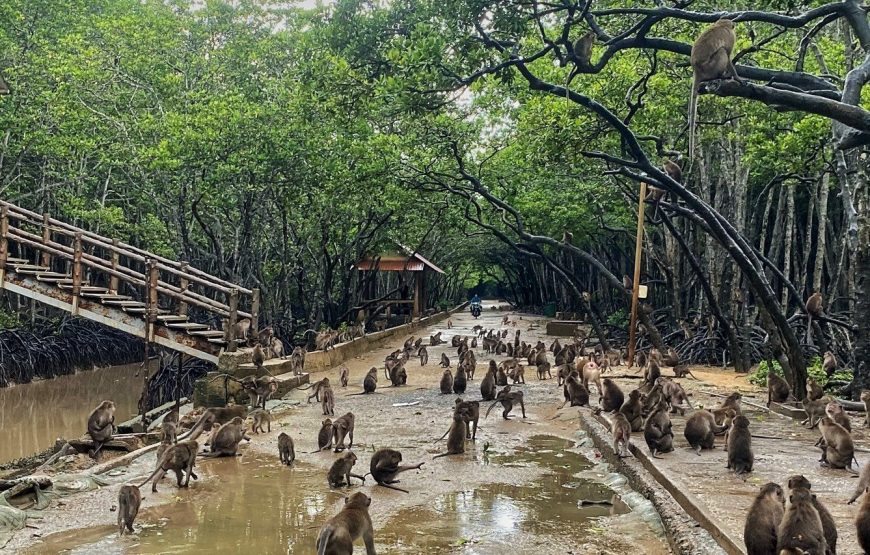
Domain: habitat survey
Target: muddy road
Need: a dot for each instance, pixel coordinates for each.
(526, 485)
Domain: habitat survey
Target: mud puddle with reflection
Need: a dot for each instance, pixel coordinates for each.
(253, 505)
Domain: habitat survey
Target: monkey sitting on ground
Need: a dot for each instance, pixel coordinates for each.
(286, 452)
(701, 429)
(336, 537)
(777, 389)
(446, 382)
(398, 375)
(574, 391)
(829, 527)
(101, 425)
(370, 382)
(225, 441)
(129, 499)
(732, 402)
(215, 416)
(835, 412)
(423, 354)
(801, 528)
(445, 362)
(657, 431)
(340, 471)
(179, 457)
(613, 397)
(460, 381)
(488, 388)
(343, 427)
(517, 374)
(633, 411)
(456, 434)
(738, 442)
(508, 398)
(324, 436)
(814, 390)
(838, 450)
(763, 519)
(343, 375)
(384, 468)
(260, 417)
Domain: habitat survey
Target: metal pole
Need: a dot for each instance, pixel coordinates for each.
(635, 286)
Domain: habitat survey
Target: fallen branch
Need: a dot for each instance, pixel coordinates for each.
(121, 461)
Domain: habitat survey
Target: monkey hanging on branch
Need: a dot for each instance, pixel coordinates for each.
(581, 54)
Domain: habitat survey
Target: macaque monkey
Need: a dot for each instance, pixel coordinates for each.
(626, 282)
(286, 451)
(258, 357)
(657, 430)
(343, 427)
(343, 375)
(129, 499)
(815, 410)
(835, 412)
(621, 430)
(297, 360)
(801, 528)
(814, 309)
(591, 373)
(456, 434)
(829, 527)
(370, 382)
(324, 436)
(829, 363)
(763, 519)
(574, 391)
(814, 390)
(179, 458)
(259, 389)
(336, 537)
(508, 398)
(862, 524)
(838, 450)
(865, 398)
(384, 468)
(738, 442)
(777, 389)
(711, 59)
(449, 324)
(460, 380)
(447, 382)
(732, 402)
(488, 388)
(260, 417)
(863, 483)
(170, 432)
(581, 53)
(435, 339)
(633, 410)
(517, 374)
(213, 416)
(544, 370)
(424, 356)
(340, 471)
(277, 348)
(225, 441)
(701, 429)
(612, 398)
(445, 362)
(682, 370)
(241, 329)
(101, 425)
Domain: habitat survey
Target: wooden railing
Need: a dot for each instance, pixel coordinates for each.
(58, 243)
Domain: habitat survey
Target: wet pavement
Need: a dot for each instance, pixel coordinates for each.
(521, 486)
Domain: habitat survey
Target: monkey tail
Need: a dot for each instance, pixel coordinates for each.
(693, 116)
(490, 409)
(323, 539)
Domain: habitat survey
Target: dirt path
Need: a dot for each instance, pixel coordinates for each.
(519, 487)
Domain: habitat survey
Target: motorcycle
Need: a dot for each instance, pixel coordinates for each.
(475, 309)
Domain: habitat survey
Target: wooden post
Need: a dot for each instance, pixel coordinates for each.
(229, 335)
(151, 300)
(635, 285)
(77, 271)
(45, 258)
(183, 284)
(4, 243)
(418, 280)
(255, 311)
(113, 280)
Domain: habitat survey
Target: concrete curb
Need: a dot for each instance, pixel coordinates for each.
(685, 536)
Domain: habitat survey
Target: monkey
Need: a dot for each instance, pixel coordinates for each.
(627, 282)
(562, 373)
(384, 467)
(225, 441)
(814, 309)
(641, 359)
(653, 398)
(174, 415)
(838, 451)
(487, 385)
(501, 378)
(865, 398)
(340, 472)
(862, 524)
(474, 342)
(592, 373)
(418, 343)
(341, 427)
(673, 170)
(732, 402)
(456, 434)
(470, 414)
(260, 417)
(723, 417)
(657, 431)
(836, 413)
(423, 354)
(258, 357)
(297, 360)
(316, 388)
(327, 403)
(763, 519)
(738, 442)
(265, 336)
(370, 382)
(343, 375)
(863, 484)
(682, 370)
(829, 527)
(621, 429)
(398, 375)
(445, 362)
(215, 416)
(129, 499)
(324, 436)
(459, 380)
(574, 391)
(179, 457)
(449, 324)
(814, 390)
(259, 389)
(582, 53)
(711, 59)
(612, 398)
(633, 411)
(652, 372)
(701, 430)
(801, 528)
(829, 364)
(508, 398)
(544, 369)
(815, 410)
(447, 382)
(241, 328)
(435, 340)
(518, 374)
(170, 431)
(336, 537)
(101, 425)
(286, 451)
(777, 389)
(671, 358)
(277, 348)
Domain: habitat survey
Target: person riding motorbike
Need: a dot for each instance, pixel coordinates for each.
(475, 306)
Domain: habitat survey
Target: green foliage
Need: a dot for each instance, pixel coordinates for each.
(9, 320)
(814, 371)
(618, 319)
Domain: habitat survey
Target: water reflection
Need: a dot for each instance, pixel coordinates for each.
(34, 415)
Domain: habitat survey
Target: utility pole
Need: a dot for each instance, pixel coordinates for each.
(635, 284)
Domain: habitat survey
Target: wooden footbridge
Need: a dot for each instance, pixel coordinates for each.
(160, 300)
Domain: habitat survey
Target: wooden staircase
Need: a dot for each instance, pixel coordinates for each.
(83, 273)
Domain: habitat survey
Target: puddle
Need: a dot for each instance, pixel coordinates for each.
(256, 506)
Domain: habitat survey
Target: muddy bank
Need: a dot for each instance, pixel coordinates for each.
(521, 485)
